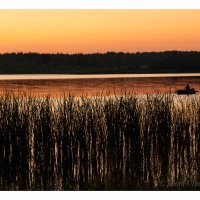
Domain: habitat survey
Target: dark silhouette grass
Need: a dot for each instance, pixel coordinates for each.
(126, 142)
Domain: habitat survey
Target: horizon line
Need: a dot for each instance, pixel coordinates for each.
(103, 52)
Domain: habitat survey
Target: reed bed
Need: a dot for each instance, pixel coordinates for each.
(126, 142)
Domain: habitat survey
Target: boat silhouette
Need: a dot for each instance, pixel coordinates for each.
(187, 90)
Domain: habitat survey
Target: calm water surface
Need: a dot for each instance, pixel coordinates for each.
(98, 84)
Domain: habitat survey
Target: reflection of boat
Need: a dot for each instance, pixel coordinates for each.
(187, 91)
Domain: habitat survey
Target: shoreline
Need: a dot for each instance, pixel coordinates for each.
(93, 76)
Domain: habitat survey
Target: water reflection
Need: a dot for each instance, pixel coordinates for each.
(103, 86)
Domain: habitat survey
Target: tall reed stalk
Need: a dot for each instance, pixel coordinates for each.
(125, 142)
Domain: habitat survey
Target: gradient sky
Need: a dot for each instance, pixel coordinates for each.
(87, 31)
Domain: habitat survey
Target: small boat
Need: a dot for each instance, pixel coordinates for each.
(187, 91)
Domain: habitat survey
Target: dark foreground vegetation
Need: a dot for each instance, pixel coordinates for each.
(100, 63)
(126, 142)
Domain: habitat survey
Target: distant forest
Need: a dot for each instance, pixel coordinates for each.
(100, 63)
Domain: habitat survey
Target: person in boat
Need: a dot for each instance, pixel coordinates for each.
(187, 87)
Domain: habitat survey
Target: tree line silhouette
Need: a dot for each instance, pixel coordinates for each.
(100, 63)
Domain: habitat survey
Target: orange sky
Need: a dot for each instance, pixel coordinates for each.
(86, 31)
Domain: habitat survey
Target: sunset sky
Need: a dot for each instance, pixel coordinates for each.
(88, 31)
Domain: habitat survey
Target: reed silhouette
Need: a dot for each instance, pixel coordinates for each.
(126, 142)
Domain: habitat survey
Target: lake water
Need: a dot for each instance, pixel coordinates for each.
(97, 84)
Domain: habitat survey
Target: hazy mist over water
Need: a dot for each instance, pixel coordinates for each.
(69, 76)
